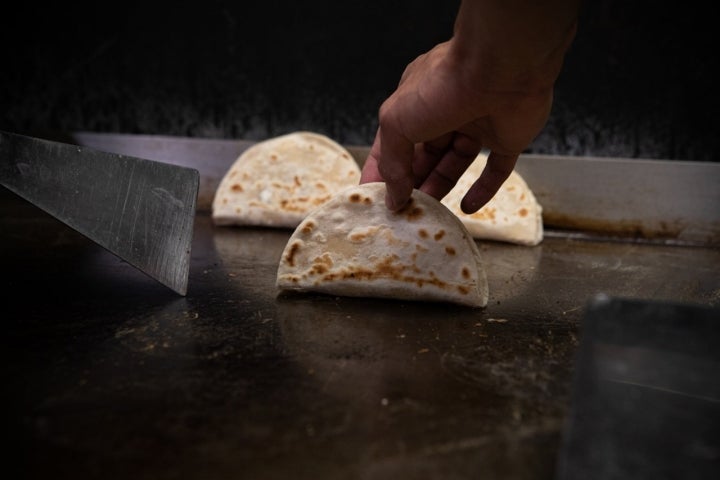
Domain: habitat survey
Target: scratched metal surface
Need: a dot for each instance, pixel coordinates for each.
(140, 210)
(107, 373)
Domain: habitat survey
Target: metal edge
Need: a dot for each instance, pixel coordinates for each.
(666, 201)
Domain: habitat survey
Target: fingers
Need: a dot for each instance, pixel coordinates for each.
(436, 167)
(453, 162)
(498, 169)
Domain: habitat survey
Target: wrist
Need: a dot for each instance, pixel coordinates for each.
(506, 48)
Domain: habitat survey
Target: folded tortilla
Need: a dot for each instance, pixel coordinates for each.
(513, 215)
(354, 246)
(276, 182)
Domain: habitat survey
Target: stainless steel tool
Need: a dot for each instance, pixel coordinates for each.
(140, 210)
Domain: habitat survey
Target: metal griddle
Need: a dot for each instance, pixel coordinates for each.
(108, 374)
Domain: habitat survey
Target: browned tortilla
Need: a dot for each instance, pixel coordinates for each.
(276, 182)
(354, 246)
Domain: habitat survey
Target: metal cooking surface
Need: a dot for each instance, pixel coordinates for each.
(109, 373)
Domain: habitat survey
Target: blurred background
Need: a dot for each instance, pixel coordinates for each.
(640, 80)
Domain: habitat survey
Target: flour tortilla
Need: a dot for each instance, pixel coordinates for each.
(354, 246)
(276, 182)
(513, 215)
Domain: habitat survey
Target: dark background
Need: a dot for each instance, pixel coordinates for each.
(639, 81)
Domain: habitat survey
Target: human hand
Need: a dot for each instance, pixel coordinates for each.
(441, 115)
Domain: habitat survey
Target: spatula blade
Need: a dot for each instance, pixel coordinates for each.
(143, 211)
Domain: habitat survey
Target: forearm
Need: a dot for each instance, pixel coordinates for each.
(514, 44)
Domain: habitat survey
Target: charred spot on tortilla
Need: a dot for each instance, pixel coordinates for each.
(283, 179)
(307, 227)
(290, 253)
(359, 248)
(411, 210)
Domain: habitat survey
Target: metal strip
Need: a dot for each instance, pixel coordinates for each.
(677, 201)
(674, 202)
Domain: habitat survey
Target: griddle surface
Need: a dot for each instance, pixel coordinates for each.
(110, 374)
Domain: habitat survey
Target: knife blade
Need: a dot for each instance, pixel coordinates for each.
(140, 210)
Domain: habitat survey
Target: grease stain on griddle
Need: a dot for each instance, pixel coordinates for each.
(627, 228)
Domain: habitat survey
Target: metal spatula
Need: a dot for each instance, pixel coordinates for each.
(140, 210)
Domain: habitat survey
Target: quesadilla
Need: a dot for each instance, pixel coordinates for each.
(353, 245)
(276, 182)
(513, 215)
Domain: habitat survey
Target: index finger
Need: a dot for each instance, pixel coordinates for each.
(395, 165)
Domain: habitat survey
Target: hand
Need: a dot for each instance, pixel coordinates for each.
(440, 117)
